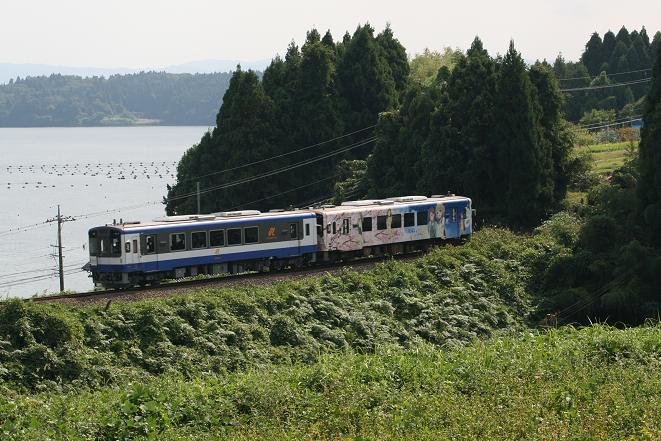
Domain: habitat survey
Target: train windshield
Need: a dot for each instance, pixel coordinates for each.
(105, 242)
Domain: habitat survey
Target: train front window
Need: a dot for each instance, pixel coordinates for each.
(94, 243)
(115, 244)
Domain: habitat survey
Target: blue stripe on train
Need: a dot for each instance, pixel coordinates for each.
(167, 265)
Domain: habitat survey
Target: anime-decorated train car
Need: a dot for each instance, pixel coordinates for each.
(394, 225)
(133, 253)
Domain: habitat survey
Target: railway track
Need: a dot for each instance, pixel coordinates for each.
(183, 286)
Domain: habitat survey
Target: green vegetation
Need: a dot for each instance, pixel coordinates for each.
(316, 93)
(594, 383)
(136, 99)
(491, 129)
(447, 297)
(627, 55)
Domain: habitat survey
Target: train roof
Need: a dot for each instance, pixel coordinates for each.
(202, 220)
(401, 201)
(192, 221)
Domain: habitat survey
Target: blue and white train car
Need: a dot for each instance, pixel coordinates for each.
(133, 253)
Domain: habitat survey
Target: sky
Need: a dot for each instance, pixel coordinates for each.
(151, 33)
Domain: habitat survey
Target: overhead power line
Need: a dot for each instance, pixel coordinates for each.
(238, 167)
(612, 124)
(624, 118)
(606, 86)
(277, 171)
(589, 77)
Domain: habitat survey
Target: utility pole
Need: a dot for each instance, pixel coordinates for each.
(60, 220)
(198, 198)
(59, 247)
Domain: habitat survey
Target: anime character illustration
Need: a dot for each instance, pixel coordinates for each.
(436, 225)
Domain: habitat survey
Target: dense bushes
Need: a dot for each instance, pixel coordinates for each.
(594, 383)
(446, 298)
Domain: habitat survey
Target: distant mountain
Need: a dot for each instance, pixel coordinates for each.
(130, 99)
(210, 66)
(12, 70)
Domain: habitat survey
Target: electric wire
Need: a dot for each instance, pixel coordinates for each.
(606, 86)
(608, 75)
(238, 167)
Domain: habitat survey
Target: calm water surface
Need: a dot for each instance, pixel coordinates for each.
(87, 171)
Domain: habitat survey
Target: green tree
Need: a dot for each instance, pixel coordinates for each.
(593, 56)
(521, 158)
(365, 81)
(556, 142)
(243, 134)
(425, 66)
(649, 187)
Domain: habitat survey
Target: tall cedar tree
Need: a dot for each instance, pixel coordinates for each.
(243, 134)
(649, 187)
(365, 81)
(392, 166)
(471, 94)
(556, 141)
(593, 55)
(312, 95)
(521, 158)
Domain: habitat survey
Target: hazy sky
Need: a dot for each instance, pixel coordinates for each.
(150, 33)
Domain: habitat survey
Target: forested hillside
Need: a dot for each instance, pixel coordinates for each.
(335, 120)
(143, 98)
(327, 90)
(622, 58)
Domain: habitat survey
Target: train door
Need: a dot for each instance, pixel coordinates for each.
(293, 235)
(131, 252)
(148, 252)
(452, 221)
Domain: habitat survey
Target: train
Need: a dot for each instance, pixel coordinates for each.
(136, 253)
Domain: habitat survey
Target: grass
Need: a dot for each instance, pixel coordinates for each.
(608, 157)
(593, 383)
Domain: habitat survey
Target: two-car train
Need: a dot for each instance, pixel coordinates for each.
(135, 253)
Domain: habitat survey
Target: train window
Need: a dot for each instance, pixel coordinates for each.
(334, 228)
(94, 243)
(367, 224)
(150, 244)
(199, 239)
(177, 241)
(409, 219)
(396, 221)
(251, 235)
(307, 229)
(115, 244)
(381, 222)
(135, 245)
(234, 236)
(454, 215)
(345, 226)
(127, 247)
(423, 218)
(293, 230)
(217, 238)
